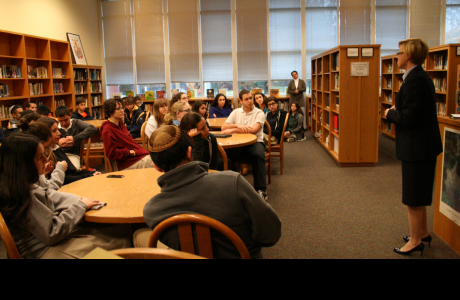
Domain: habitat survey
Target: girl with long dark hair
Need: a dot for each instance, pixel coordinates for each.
(221, 107)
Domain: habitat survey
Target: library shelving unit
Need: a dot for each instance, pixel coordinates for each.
(88, 85)
(442, 66)
(51, 57)
(391, 81)
(345, 110)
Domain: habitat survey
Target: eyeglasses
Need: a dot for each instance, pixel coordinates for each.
(185, 110)
(272, 104)
(399, 53)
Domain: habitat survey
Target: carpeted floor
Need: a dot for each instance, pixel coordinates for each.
(340, 213)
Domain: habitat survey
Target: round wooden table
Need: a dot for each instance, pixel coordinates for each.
(216, 123)
(236, 140)
(125, 197)
(96, 123)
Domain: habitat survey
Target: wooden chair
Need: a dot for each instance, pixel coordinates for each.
(7, 239)
(108, 162)
(84, 155)
(224, 156)
(144, 136)
(140, 140)
(203, 233)
(149, 253)
(280, 147)
(96, 152)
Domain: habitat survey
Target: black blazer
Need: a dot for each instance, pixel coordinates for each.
(417, 130)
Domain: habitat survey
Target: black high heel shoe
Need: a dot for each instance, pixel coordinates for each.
(428, 239)
(420, 248)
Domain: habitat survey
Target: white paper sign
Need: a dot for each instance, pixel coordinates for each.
(360, 69)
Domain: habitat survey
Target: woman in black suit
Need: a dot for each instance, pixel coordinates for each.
(418, 140)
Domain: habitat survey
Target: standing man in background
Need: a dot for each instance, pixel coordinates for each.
(296, 90)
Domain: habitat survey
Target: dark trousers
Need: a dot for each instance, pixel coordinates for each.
(255, 155)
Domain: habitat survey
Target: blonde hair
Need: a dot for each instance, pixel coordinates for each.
(177, 107)
(417, 49)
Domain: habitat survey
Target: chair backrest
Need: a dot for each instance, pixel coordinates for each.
(269, 146)
(144, 136)
(150, 253)
(284, 130)
(203, 233)
(108, 161)
(8, 241)
(83, 155)
(224, 156)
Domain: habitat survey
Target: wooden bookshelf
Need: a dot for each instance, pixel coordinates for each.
(391, 77)
(25, 50)
(444, 77)
(354, 141)
(88, 85)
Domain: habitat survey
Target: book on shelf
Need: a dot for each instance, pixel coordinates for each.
(129, 94)
(275, 93)
(441, 108)
(4, 91)
(36, 89)
(335, 62)
(190, 94)
(320, 113)
(160, 95)
(149, 107)
(210, 93)
(327, 118)
(314, 97)
(389, 83)
(37, 73)
(455, 116)
(58, 73)
(59, 102)
(5, 112)
(336, 124)
(223, 92)
(10, 71)
(328, 100)
(58, 87)
(336, 145)
(388, 98)
(440, 84)
(254, 91)
(116, 96)
(96, 100)
(337, 81)
(337, 98)
(96, 112)
(95, 74)
(80, 87)
(149, 96)
(440, 62)
(80, 74)
(390, 68)
(174, 92)
(96, 87)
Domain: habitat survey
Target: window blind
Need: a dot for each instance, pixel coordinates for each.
(355, 22)
(252, 40)
(150, 53)
(183, 40)
(391, 24)
(216, 35)
(321, 28)
(117, 24)
(453, 21)
(425, 21)
(285, 38)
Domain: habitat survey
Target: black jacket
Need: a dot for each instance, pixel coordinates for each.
(276, 122)
(134, 121)
(71, 175)
(201, 150)
(418, 137)
(76, 115)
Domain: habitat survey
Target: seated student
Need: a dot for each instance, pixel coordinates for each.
(44, 223)
(178, 111)
(261, 102)
(160, 110)
(31, 106)
(295, 130)
(72, 133)
(27, 112)
(82, 113)
(28, 118)
(249, 119)
(139, 103)
(134, 118)
(118, 142)
(224, 196)
(44, 111)
(16, 111)
(276, 118)
(221, 107)
(55, 154)
(204, 143)
(181, 97)
(201, 108)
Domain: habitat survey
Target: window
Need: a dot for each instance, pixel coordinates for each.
(119, 89)
(216, 39)
(355, 22)
(285, 42)
(425, 21)
(391, 25)
(251, 21)
(142, 88)
(453, 21)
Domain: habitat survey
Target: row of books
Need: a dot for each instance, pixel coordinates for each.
(337, 81)
(80, 87)
(4, 91)
(95, 74)
(5, 112)
(96, 100)
(152, 95)
(10, 71)
(335, 62)
(36, 89)
(96, 112)
(58, 87)
(59, 102)
(39, 72)
(440, 84)
(80, 74)
(440, 62)
(95, 87)
(58, 73)
(441, 108)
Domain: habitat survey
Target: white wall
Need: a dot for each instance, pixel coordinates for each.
(53, 19)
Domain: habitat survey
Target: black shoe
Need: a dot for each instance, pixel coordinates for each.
(428, 239)
(263, 195)
(420, 248)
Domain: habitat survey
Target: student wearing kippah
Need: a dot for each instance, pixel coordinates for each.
(187, 186)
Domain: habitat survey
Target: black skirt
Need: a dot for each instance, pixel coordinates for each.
(418, 181)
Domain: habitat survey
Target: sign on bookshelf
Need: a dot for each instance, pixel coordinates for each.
(367, 52)
(352, 52)
(360, 69)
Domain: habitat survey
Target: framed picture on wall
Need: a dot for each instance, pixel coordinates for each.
(77, 49)
(352, 52)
